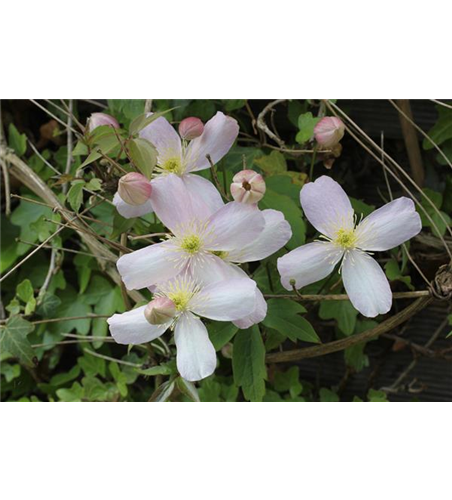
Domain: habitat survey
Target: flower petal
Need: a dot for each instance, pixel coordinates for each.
(219, 135)
(277, 232)
(212, 269)
(308, 264)
(256, 316)
(196, 358)
(130, 211)
(150, 265)
(173, 203)
(226, 300)
(165, 139)
(326, 206)
(389, 226)
(235, 225)
(366, 284)
(202, 189)
(132, 327)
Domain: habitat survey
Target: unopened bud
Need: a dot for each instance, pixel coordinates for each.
(190, 128)
(329, 131)
(134, 188)
(247, 187)
(99, 119)
(159, 311)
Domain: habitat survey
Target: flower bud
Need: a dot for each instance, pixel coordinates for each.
(134, 188)
(190, 128)
(99, 119)
(247, 187)
(329, 131)
(160, 311)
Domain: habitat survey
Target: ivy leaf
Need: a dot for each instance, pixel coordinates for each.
(377, 396)
(328, 396)
(13, 339)
(283, 316)
(25, 290)
(17, 141)
(248, 363)
(48, 305)
(342, 311)
(306, 124)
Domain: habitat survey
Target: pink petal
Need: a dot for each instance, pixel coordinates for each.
(201, 189)
(366, 284)
(165, 139)
(219, 135)
(150, 265)
(196, 358)
(256, 316)
(130, 211)
(277, 232)
(308, 264)
(326, 206)
(389, 226)
(132, 327)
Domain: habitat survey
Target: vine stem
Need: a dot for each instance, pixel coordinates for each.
(340, 345)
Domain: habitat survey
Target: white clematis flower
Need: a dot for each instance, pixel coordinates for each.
(329, 210)
(227, 300)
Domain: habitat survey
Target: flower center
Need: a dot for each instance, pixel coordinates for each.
(345, 238)
(246, 186)
(181, 298)
(191, 244)
(173, 166)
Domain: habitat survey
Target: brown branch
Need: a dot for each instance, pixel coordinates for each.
(343, 296)
(261, 125)
(340, 345)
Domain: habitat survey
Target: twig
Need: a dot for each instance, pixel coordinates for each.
(344, 296)
(50, 273)
(340, 345)
(5, 171)
(39, 155)
(125, 297)
(261, 125)
(69, 146)
(69, 250)
(148, 106)
(216, 180)
(145, 236)
(108, 358)
(61, 122)
(441, 103)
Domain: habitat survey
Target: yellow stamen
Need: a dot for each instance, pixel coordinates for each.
(220, 253)
(173, 166)
(345, 238)
(191, 244)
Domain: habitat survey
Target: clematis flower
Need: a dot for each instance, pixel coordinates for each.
(190, 128)
(133, 197)
(222, 301)
(177, 157)
(328, 209)
(248, 187)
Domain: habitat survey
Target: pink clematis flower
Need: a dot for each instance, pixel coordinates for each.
(222, 301)
(328, 209)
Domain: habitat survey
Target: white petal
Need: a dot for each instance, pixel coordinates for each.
(219, 135)
(150, 265)
(276, 234)
(366, 284)
(308, 264)
(202, 189)
(196, 358)
(235, 225)
(326, 206)
(174, 204)
(132, 327)
(212, 269)
(226, 300)
(389, 226)
(130, 211)
(256, 316)
(165, 139)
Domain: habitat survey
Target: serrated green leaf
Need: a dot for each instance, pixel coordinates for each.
(221, 333)
(13, 339)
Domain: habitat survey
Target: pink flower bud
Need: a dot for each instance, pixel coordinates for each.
(247, 187)
(190, 128)
(134, 188)
(99, 119)
(160, 311)
(329, 131)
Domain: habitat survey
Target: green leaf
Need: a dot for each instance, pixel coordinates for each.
(13, 339)
(328, 396)
(355, 357)
(342, 311)
(306, 124)
(442, 130)
(143, 120)
(248, 363)
(48, 305)
(361, 208)
(289, 381)
(377, 396)
(188, 389)
(272, 164)
(233, 104)
(25, 290)
(221, 333)
(72, 395)
(283, 316)
(121, 225)
(143, 155)
(163, 392)
(8, 249)
(17, 141)
(75, 196)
